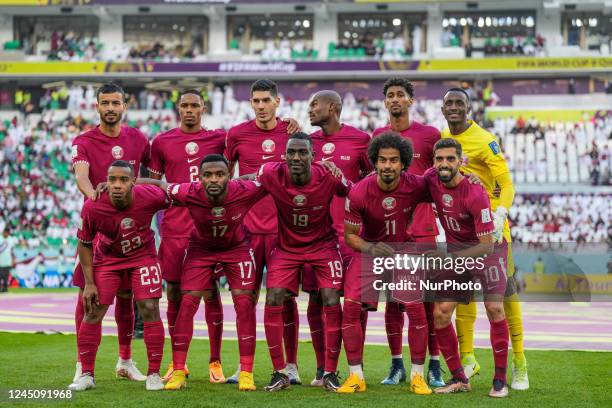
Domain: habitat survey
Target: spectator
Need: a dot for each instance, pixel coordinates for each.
(7, 258)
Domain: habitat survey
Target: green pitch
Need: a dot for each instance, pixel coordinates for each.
(31, 361)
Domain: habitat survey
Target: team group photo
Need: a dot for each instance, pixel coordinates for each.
(246, 203)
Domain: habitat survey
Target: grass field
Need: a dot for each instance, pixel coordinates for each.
(31, 361)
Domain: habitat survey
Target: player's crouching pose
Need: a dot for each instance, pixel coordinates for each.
(217, 207)
(121, 218)
(379, 210)
(465, 215)
(303, 192)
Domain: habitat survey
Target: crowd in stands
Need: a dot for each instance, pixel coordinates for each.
(500, 45)
(576, 218)
(286, 50)
(161, 53)
(388, 47)
(60, 46)
(552, 152)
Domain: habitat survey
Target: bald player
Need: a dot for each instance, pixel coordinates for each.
(346, 147)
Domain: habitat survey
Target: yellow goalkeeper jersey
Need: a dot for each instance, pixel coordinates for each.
(481, 156)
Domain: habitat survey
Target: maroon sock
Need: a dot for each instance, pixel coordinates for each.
(314, 314)
(417, 332)
(364, 325)
(394, 324)
(432, 342)
(246, 328)
(79, 313)
(499, 342)
(183, 331)
(213, 311)
(171, 316)
(273, 323)
(291, 322)
(154, 341)
(447, 341)
(124, 316)
(352, 332)
(332, 323)
(88, 341)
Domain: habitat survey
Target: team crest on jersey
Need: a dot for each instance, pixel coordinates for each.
(192, 148)
(447, 199)
(117, 152)
(218, 212)
(127, 223)
(389, 203)
(268, 146)
(328, 148)
(75, 151)
(299, 200)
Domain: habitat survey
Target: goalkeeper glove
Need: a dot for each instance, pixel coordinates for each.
(499, 219)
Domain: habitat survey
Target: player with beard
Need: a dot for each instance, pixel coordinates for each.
(379, 210)
(346, 147)
(465, 215)
(121, 221)
(250, 145)
(217, 207)
(399, 97)
(483, 156)
(92, 153)
(302, 192)
(176, 154)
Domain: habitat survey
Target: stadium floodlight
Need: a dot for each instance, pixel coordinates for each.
(397, 22)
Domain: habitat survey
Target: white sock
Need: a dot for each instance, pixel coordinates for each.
(435, 357)
(397, 356)
(416, 369)
(237, 370)
(129, 360)
(291, 366)
(326, 372)
(356, 369)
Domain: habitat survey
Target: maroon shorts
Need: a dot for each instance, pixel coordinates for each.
(309, 278)
(78, 278)
(263, 245)
(201, 268)
(491, 277)
(171, 254)
(367, 278)
(285, 267)
(495, 274)
(145, 281)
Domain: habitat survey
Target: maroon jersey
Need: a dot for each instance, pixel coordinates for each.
(217, 228)
(385, 216)
(464, 211)
(303, 211)
(348, 150)
(423, 139)
(251, 147)
(177, 155)
(125, 238)
(98, 151)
